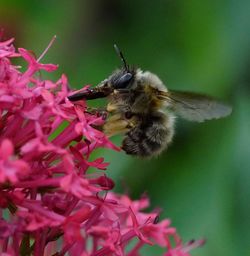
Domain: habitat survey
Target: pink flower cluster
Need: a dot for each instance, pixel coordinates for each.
(49, 203)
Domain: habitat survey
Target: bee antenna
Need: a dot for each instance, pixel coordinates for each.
(119, 53)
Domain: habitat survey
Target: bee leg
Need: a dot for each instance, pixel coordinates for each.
(100, 112)
(115, 125)
(116, 128)
(111, 107)
(114, 107)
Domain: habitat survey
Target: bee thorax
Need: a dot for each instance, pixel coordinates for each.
(148, 78)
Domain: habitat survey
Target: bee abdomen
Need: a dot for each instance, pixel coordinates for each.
(144, 148)
(149, 138)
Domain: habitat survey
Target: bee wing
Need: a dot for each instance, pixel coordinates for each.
(194, 106)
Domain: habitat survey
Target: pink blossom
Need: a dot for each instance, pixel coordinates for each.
(54, 206)
(11, 169)
(33, 64)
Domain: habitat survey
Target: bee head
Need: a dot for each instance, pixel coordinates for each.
(122, 78)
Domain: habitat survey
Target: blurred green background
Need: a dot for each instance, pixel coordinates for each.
(203, 181)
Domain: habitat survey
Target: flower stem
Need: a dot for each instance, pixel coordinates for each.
(47, 48)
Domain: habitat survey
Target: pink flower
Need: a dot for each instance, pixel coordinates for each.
(54, 205)
(11, 169)
(33, 64)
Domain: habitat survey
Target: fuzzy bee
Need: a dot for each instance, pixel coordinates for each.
(142, 108)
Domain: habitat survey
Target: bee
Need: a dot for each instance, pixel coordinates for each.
(142, 108)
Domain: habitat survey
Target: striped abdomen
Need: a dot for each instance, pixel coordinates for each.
(151, 136)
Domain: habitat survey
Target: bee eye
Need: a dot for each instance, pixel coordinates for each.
(123, 81)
